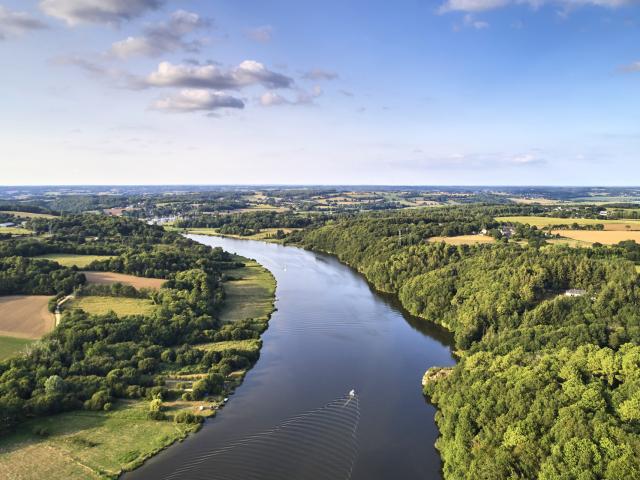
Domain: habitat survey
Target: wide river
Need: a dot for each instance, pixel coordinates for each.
(295, 417)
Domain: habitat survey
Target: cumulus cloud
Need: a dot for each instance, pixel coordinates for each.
(319, 74)
(197, 100)
(17, 23)
(75, 12)
(274, 99)
(484, 5)
(262, 34)
(246, 74)
(163, 37)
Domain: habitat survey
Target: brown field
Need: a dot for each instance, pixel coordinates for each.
(106, 278)
(608, 237)
(25, 316)
(464, 239)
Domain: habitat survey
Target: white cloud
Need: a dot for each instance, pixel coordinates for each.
(194, 100)
(273, 99)
(16, 23)
(163, 37)
(262, 34)
(75, 12)
(246, 74)
(484, 5)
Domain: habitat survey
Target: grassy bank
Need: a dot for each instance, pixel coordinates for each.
(249, 293)
(84, 444)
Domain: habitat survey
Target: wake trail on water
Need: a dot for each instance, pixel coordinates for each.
(321, 444)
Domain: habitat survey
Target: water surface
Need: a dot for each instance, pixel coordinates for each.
(294, 418)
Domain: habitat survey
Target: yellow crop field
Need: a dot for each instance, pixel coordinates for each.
(615, 225)
(604, 237)
(464, 239)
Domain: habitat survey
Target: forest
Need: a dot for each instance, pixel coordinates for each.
(547, 385)
(91, 361)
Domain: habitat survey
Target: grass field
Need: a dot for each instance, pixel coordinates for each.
(464, 239)
(614, 225)
(250, 345)
(15, 230)
(87, 445)
(107, 278)
(604, 237)
(71, 260)
(25, 316)
(28, 214)
(251, 295)
(10, 346)
(97, 305)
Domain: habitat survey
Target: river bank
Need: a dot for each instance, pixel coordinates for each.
(331, 333)
(86, 444)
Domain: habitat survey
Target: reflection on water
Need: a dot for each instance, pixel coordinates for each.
(320, 444)
(331, 333)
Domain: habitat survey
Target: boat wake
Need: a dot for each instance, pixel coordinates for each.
(317, 445)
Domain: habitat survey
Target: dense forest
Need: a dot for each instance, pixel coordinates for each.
(547, 385)
(89, 361)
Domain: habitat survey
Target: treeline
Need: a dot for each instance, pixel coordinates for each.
(548, 386)
(90, 361)
(249, 223)
(19, 275)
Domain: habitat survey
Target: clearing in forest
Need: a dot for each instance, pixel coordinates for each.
(72, 259)
(121, 306)
(25, 316)
(464, 239)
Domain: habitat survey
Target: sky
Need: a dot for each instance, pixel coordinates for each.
(447, 92)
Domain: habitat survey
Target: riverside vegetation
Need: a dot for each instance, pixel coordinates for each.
(547, 385)
(77, 390)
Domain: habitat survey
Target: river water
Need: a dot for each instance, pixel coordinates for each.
(295, 417)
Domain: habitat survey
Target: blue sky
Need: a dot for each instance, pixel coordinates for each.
(359, 92)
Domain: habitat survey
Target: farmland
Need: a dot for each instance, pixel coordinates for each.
(15, 230)
(540, 222)
(603, 237)
(107, 278)
(27, 214)
(249, 293)
(85, 444)
(463, 239)
(250, 345)
(25, 316)
(73, 260)
(99, 305)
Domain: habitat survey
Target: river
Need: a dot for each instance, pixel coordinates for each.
(295, 417)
